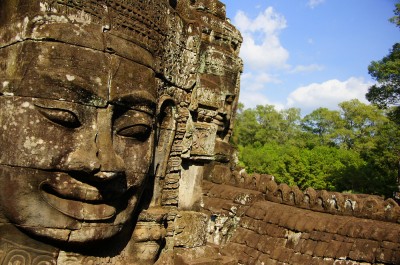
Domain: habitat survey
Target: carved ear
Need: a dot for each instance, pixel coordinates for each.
(166, 127)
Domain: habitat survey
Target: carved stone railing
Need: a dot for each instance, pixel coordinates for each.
(358, 205)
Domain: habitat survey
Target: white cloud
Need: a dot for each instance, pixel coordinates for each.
(328, 94)
(256, 81)
(262, 54)
(261, 46)
(314, 3)
(253, 88)
(250, 100)
(306, 68)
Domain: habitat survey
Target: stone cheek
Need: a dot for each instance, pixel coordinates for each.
(35, 141)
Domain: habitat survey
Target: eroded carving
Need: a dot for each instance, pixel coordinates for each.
(81, 116)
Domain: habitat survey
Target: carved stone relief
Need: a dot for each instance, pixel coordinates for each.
(115, 120)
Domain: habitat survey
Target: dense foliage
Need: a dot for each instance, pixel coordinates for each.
(354, 149)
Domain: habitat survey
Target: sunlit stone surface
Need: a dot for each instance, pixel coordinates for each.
(115, 120)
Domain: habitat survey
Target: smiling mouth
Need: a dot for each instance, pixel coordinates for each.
(78, 200)
(80, 210)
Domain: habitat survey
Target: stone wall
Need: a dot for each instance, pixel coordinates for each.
(255, 230)
(358, 205)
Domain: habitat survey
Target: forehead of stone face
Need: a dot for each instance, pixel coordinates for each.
(101, 25)
(65, 72)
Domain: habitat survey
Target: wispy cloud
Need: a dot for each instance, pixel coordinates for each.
(328, 94)
(306, 68)
(256, 81)
(315, 3)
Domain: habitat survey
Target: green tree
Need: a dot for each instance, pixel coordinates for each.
(290, 126)
(361, 123)
(355, 148)
(322, 123)
(382, 161)
(269, 120)
(396, 18)
(387, 74)
(246, 127)
(266, 124)
(322, 167)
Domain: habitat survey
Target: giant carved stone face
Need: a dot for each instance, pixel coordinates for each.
(77, 140)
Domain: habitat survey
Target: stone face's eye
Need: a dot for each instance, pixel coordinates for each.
(132, 123)
(62, 117)
(138, 131)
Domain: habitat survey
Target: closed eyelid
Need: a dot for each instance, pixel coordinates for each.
(138, 131)
(134, 124)
(60, 116)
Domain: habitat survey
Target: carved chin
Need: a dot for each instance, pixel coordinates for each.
(87, 233)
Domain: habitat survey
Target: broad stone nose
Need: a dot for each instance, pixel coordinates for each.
(95, 153)
(84, 157)
(110, 161)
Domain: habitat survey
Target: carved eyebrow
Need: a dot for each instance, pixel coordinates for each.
(137, 99)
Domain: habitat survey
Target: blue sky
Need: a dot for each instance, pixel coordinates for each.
(310, 53)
